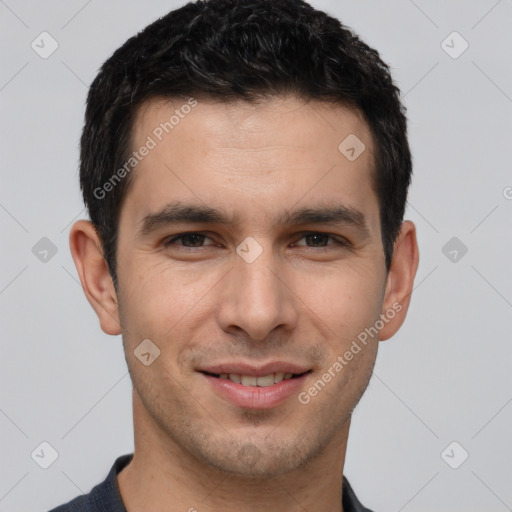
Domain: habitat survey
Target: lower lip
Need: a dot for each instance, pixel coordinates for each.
(256, 397)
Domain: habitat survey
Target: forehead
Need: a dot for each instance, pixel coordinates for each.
(256, 158)
(243, 125)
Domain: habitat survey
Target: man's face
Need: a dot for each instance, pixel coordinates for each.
(268, 292)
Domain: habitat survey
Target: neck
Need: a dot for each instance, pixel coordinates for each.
(162, 476)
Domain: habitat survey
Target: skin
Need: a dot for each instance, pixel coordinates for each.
(303, 300)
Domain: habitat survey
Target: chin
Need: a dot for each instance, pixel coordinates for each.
(256, 459)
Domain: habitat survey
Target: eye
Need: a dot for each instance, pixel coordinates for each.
(190, 240)
(313, 240)
(320, 240)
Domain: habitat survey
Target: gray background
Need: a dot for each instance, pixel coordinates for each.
(446, 376)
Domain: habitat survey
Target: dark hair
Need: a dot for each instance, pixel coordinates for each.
(249, 50)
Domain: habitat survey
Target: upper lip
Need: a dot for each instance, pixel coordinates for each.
(255, 370)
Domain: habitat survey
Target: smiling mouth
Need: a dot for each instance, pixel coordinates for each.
(258, 381)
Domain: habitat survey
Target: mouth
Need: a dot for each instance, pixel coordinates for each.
(250, 387)
(254, 380)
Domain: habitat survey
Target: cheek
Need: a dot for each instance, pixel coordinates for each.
(346, 302)
(161, 298)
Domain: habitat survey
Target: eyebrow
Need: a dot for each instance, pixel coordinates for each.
(178, 213)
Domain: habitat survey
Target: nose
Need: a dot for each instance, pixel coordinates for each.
(256, 298)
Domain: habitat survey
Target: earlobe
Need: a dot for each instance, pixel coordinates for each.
(86, 249)
(400, 280)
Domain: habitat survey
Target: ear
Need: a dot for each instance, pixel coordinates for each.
(400, 280)
(87, 252)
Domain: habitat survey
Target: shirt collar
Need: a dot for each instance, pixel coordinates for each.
(108, 496)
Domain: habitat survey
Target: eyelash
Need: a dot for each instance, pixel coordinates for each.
(340, 242)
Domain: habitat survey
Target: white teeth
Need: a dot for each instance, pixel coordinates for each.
(278, 377)
(266, 380)
(249, 380)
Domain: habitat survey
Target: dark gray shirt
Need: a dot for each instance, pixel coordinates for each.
(105, 497)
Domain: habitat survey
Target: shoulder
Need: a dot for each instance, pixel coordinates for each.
(78, 504)
(350, 501)
(104, 497)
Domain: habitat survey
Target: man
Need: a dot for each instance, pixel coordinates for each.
(245, 165)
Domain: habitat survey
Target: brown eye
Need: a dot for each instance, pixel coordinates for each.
(191, 240)
(319, 240)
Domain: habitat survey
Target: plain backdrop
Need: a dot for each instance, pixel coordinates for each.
(444, 378)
